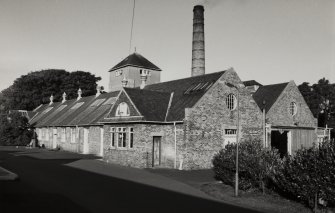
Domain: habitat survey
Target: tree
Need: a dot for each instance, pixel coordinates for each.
(35, 88)
(14, 129)
(320, 98)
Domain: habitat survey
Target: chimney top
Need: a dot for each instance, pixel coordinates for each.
(198, 7)
(124, 81)
(64, 97)
(79, 94)
(51, 99)
(98, 91)
(144, 78)
(198, 41)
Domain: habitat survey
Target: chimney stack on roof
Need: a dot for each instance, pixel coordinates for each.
(144, 78)
(198, 42)
(79, 94)
(124, 81)
(64, 97)
(98, 91)
(51, 99)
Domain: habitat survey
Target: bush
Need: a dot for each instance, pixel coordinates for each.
(309, 175)
(256, 165)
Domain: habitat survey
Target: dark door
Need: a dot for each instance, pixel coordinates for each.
(156, 151)
(279, 141)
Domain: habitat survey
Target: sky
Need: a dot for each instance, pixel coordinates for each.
(270, 41)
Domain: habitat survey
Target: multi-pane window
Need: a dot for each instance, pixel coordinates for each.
(230, 135)
(122, 137)
(231, 102)
(118, 73)
(293, 108)
(131, 137)
(112, 144)
(63, 135)
(43, 133)
(47, 134)
(73, 135)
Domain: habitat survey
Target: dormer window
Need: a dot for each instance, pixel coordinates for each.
(122, 110)
(118, 73)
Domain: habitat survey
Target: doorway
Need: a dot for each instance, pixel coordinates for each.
(54, 138)
(156, 151)
(279, 141)
(101, 152)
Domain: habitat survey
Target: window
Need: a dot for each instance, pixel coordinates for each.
(43, 133)
(131, 137)
(231, 102)
(118, 73)
(110, 101)
(121, 137)
(77, 105)
(293, 108)
(63, 135)
(122, 110)
(47, 134)
(112, 144)
(145, 72)
(73, 135)
(230, 135)
(97, 102)
(230, 132)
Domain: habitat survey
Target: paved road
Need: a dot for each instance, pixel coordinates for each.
(49, 185)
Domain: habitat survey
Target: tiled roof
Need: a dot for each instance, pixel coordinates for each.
(269, 94)
(186, 91)
(251, 83)
(136, 60)
(151, 104)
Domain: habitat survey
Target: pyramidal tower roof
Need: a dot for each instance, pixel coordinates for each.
(136, 60)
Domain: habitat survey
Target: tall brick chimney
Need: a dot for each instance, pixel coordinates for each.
(198, 43)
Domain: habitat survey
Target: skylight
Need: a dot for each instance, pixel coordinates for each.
(77, 105)
(97, 102)
(198, 87)
(110, 101)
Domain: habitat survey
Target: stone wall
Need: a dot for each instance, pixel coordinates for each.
(94, 140)
(205, 124)
(141, 153)
(279, 114)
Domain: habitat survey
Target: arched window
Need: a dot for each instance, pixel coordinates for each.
(293, 108)
(122, 110)
(231, 102)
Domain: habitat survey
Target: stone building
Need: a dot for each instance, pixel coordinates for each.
(183, 123)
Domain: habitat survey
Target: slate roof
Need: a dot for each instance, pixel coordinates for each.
(251, 83)
(269, 94)
(151, 104)
(187, 92)
(136, 60)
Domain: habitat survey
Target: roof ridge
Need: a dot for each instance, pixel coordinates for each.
(187, 78)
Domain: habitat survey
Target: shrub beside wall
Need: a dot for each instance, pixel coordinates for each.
(256, 165)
